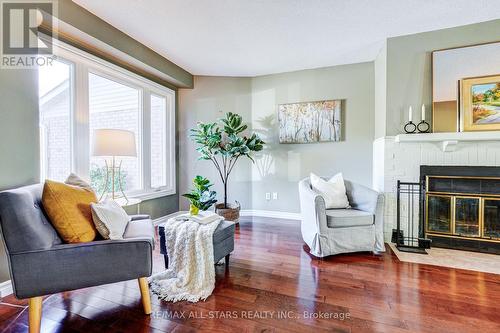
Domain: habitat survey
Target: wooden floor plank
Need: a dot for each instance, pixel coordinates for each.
(271, 271)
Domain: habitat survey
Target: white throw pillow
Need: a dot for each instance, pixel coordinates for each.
(333, 191)
(75, 180)
(110, 219)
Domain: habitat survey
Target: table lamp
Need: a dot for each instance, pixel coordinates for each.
(113, 143)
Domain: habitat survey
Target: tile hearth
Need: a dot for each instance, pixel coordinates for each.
(474, 261)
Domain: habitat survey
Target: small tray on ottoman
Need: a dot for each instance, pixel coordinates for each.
(223, 241)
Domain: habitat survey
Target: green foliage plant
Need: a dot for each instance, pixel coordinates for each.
(201, 197)
(223, 143)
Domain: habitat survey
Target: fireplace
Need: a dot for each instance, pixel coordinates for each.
(461, 207)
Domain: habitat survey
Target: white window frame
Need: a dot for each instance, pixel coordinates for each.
(85, 63)
(170, 144)
(43, 131)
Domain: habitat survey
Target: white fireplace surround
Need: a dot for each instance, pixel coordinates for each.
(400, 157)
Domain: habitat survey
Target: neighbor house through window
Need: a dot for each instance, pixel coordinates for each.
(115, 105)
(81, 93)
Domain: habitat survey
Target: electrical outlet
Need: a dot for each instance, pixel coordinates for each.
(275, 195)
(268, 196)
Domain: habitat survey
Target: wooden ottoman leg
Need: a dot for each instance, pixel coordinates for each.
(227, 259)
(146, 299)
(35, 314)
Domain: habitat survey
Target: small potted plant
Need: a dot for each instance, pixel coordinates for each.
(201, 197)
(223, 143)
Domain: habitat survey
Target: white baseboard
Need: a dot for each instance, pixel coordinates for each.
(6, 288)
(271, 213)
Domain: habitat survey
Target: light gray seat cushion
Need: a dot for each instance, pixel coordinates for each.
(344, 218)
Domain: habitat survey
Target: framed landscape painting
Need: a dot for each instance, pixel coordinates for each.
(308, 122)
(480, 98)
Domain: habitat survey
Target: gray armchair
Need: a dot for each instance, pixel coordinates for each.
(334, 231)
(41, 264)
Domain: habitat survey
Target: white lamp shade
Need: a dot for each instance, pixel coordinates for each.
(113, 142)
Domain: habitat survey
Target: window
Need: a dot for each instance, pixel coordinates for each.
(114, 105)
(55, 120)
(158, 141)
(82, 93)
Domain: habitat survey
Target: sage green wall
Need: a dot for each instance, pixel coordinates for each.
(156, 207)
(409, 74)
(288, 163)
(18, 127)
(381, 92)
(210, 99)
(279, 168)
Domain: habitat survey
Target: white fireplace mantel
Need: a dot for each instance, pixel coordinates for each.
(449, 141)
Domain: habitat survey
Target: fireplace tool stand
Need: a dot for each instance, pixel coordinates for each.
(409, 232)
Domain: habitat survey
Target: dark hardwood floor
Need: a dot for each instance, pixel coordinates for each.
(272, 282)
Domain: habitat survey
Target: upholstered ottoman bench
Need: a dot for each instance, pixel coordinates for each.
(223, 241)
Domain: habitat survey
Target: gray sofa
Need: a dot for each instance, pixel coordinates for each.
(41, 264)
(334, 231)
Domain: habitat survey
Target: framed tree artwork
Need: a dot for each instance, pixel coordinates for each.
(309, 122)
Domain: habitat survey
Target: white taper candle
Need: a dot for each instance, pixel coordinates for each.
(423, 112)
(410, 114)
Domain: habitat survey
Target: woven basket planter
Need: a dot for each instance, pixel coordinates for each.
(231, 213)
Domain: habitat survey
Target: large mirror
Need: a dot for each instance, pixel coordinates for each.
(466, 88)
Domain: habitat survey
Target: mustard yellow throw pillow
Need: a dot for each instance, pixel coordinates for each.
(68, 208)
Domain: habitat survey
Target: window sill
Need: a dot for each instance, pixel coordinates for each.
(143, 196)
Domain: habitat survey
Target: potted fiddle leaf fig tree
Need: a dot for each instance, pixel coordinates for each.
(223, 143)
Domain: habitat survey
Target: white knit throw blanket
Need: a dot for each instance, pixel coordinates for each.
(191, 273)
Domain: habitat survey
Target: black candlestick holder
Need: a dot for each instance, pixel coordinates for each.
(423, 127)
(410, 127)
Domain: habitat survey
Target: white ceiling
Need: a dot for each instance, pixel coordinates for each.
(256, 37)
